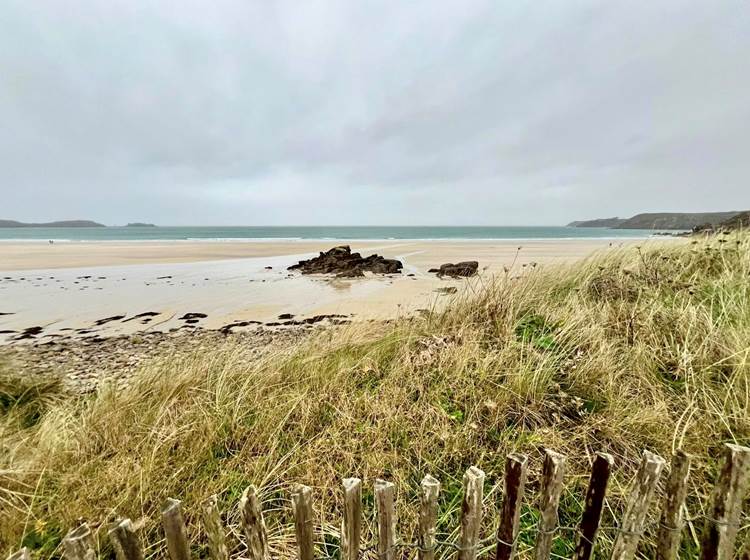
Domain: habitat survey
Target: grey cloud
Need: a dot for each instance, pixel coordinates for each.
(422, 112)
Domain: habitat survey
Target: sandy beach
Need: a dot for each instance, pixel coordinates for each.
(94, 289)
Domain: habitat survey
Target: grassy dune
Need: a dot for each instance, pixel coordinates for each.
(632, 350)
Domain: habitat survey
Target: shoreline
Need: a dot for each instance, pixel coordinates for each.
(93, 290)
(41, 255)
(44, 241)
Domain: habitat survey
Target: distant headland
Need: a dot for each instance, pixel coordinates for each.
(661, 220)
(64, 223)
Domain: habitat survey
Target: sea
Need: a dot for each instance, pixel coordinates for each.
(271, 233)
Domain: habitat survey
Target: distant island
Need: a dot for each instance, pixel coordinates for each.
(61, 224)
(140, 224)
(662, 220)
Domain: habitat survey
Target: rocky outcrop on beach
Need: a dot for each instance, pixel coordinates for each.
(345, 264)
(458, 270)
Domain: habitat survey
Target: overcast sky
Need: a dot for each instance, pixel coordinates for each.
(352, 112)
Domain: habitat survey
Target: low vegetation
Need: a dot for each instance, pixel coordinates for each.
(640, 348)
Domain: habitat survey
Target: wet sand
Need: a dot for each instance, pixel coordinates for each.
(101, 289)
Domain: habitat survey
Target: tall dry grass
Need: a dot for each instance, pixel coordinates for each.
(634, 349)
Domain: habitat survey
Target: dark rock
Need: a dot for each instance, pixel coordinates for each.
(354, 272)
(142, 315)
(345, 264)
(268, 268)
(286, 316)
(189, 316)
(30, 332)
(226, 329)
(101, 322)
(462, 269)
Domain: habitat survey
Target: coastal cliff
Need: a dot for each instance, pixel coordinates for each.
(661, 220)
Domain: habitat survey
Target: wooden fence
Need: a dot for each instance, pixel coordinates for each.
(721, 523)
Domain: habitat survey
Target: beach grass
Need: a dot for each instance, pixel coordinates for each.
(634, 349)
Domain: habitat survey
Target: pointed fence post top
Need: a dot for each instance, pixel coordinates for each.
(383, 485)
(79, 544)
(385, 503)
(672, 518)
(125, 540)
(722, 521)
(249, 493)
(174, 530)
(351, 522)
(170, 504)
(351, 485)
(80, 532)
(554, 457)
(551, 490)
(607, 457)
(471, 512)
(510, 515)
(303, 521)
(592, 512)
(430, 484)
(251, 520)
(632, 524)
(428, 510)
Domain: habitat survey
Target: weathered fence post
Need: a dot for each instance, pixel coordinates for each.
(251, 518)
(217, 545)
(303, 522)
(672, 517)
(79, 544)
(471, 513)
(631, 527)
(125, 540)
(722, 520)
(351, 523)
(515, 481)
(385, 501)
(428, 509)
(22, 554)
(174, 529)
(552, 487)
(592, 512)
